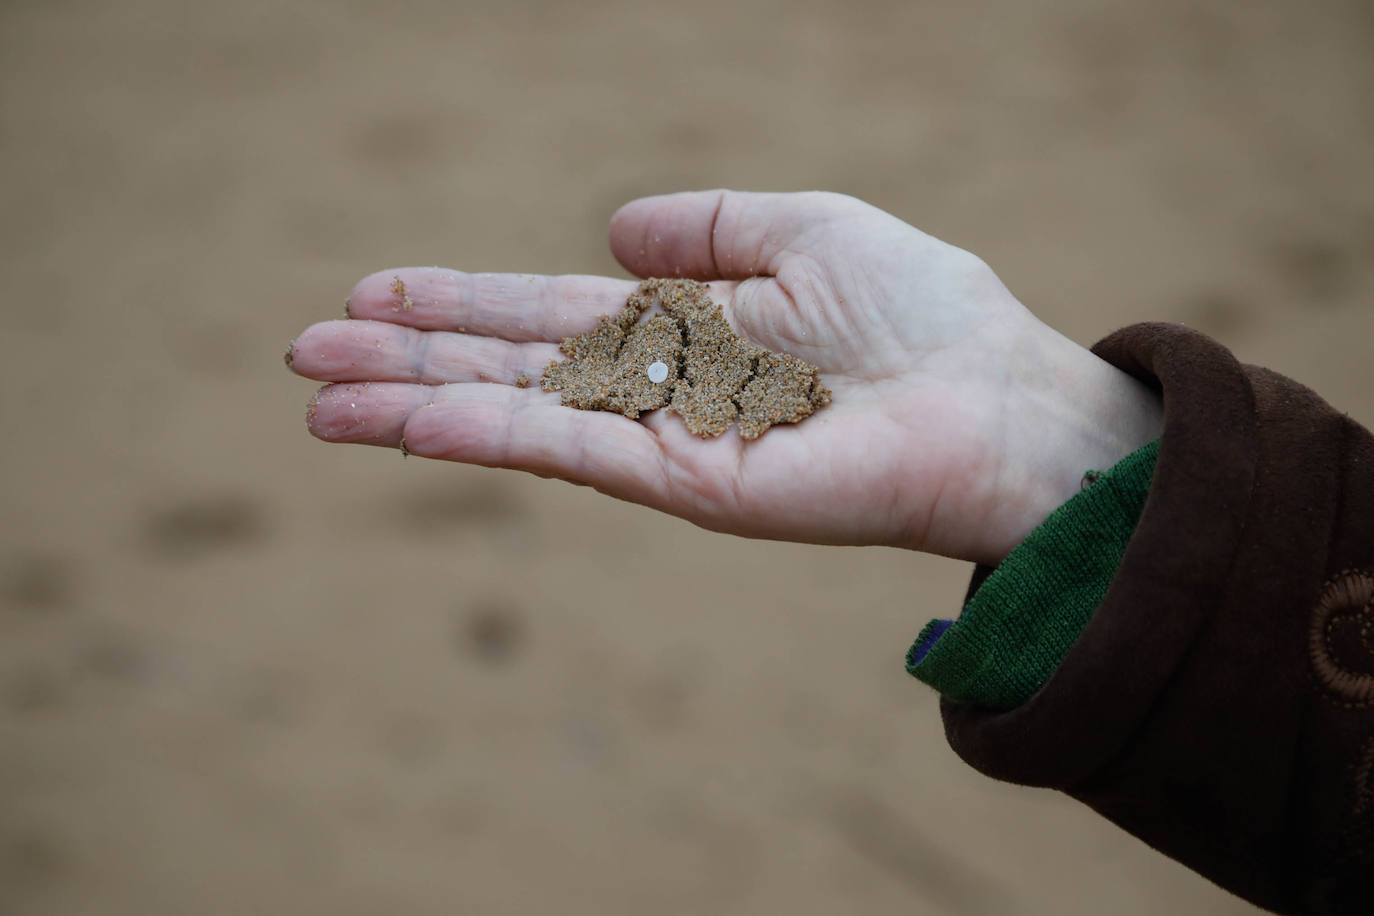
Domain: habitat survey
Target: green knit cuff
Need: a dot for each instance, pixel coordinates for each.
(1021, 623)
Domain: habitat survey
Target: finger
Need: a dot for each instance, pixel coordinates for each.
(497, 426)
(710, 235)
(374, 413)
(516, 307)
(347, 351)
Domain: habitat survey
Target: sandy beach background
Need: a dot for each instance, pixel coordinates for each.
(243, 671)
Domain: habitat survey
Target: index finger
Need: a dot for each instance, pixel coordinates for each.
(515, 307)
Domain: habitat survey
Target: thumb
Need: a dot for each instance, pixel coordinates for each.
(721, 235)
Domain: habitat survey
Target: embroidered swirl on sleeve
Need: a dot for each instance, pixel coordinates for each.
(1347, 600)
(1364, 780)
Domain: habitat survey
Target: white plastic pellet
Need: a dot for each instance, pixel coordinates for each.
(658, 372)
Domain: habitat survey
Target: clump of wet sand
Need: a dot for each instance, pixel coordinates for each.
(687, 359)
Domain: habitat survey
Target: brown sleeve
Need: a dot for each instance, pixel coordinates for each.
(1220, 703)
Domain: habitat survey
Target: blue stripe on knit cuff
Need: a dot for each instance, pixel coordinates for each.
(926, 641)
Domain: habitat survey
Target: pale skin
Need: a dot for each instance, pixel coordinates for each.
(959, 420)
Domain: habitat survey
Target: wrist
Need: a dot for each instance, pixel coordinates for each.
(1075, 413)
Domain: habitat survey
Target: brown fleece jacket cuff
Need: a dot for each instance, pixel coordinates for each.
(1220, 702)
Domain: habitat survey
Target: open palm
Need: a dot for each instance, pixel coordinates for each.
(958, 419)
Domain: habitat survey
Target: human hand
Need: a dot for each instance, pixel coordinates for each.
(959, 421)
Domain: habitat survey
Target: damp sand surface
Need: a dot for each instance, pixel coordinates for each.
(398, 287)
(714, 377)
